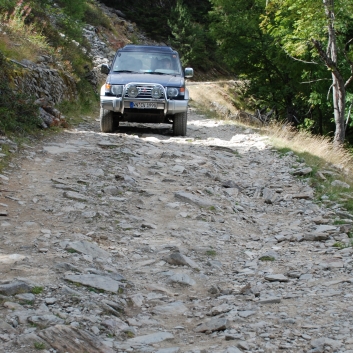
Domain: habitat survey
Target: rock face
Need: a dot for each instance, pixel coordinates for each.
(139, 241)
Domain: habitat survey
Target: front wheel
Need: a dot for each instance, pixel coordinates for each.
(180, 124)
(106, 120)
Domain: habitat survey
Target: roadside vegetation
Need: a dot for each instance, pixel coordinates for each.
(30, 29)
(222, 100)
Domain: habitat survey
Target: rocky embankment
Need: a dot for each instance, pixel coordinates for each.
(138, 241)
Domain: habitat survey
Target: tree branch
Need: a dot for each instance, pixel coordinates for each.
(302, 61)
(328, 92)
(320, 79)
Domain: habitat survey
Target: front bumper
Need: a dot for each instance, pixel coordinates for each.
(119, 104)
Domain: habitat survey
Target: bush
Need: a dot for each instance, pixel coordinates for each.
(18, 114)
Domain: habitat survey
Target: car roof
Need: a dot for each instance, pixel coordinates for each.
(148, 48)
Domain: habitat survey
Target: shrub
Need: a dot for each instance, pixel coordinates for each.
(18, 114)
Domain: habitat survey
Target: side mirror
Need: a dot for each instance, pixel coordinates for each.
(105, 69)
(189, 72)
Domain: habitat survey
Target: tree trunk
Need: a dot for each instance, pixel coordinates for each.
(339, 104)
(338, 88)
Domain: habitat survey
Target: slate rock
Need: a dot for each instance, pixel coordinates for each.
(233, 350)
(177, 258)
(169, 350)
(182, 278)
(68, 339)
(269, 300)
(215, 324)
(95, 281)
(316, 236)
(45, 320)
(75, 196)
(175, 308)
(87, 248)
(195, 200)
(276, 278)
(340, 184)
(15, 287)
(151, 338)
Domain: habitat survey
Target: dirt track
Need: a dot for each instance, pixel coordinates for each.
(144, 242)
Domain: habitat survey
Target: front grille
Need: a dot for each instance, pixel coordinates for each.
(144, 92)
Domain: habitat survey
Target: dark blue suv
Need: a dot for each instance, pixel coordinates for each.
(145, 84)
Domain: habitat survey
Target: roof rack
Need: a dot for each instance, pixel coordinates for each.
(147, 48)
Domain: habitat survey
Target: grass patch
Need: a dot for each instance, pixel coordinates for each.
(339, 245)
(71, 251)
(211, 253)
(130, 334)
(338, 222)
(267, 258)
(39, 345)
(37, 290)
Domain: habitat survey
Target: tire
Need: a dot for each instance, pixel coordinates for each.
(180, 124)
(115, 123)
(107, 120)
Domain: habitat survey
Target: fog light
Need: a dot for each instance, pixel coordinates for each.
(156, 92)
(132, 91)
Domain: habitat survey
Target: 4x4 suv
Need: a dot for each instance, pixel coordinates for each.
(145, 84)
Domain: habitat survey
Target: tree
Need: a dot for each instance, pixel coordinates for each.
(274, 79)
(188, 36)
(303, 28)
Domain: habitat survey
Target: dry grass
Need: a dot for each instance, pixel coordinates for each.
(283, 136)
(19, 40)
(222, 99)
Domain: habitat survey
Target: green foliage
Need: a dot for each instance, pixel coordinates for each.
(211, 253)
(267, 258)
(270, 44)
(39, 345)
(95, 16)
(37, 290)
(74, 9)
(18, 114)
(188, 37)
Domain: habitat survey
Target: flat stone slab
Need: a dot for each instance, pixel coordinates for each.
(11, 258)
(182, 278)
(316, 236)
(325, 228)
(179, 259)
(95, 281)
(151, 338)
(169, 350)
(72, 195)
(192, 199)
(276, 278)
(332, 263)
(45, 320)
(88, 248)
(15, 287)
(176, 308)
(270, 300)
(66, 339)
(216, 324)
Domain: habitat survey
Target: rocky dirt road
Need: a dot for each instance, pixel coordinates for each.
(138, 241)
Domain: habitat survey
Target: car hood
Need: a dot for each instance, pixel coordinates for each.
(164, 80)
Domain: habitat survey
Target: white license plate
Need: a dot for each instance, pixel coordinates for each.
(145, 105)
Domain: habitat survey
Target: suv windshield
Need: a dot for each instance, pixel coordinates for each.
(150, 63)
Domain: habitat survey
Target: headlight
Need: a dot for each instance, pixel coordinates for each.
(156, 92)
(132, 91)
(172, 92)
(116, 90)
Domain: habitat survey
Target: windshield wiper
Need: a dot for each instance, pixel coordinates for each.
(157, 73)
(132, 72)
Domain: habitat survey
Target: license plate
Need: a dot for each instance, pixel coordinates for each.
(144, 105)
